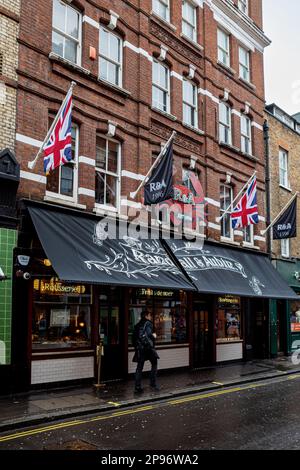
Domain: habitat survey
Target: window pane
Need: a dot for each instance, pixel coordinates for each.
(53, 181)
(70, 50)
(100, 188)
(188, 30)
(101, 153)
(57, 44)
(59, 11)
(163, 77)
(188, 12)
(111, 190)
(114, 52)
(104, 42)
(103, 69)
(66, 184)
(72, 23)
(112, 164)
(159, 99)
(113, 73)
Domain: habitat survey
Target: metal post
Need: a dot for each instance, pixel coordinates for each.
(99, 354)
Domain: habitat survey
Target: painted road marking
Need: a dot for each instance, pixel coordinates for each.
(113, 403)
(55, 427)
(217, 383)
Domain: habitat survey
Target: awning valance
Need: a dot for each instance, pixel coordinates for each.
(78, 251)
(221, 270)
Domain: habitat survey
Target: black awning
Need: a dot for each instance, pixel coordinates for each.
(78, 251)
(218, 270)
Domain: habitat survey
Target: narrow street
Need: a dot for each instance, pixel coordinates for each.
(261, 415)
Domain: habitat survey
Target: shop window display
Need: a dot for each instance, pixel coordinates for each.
(168, 314)
(61, 315)
(228, 321)
(295, 316)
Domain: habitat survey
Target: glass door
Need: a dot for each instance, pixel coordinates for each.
(110, 334)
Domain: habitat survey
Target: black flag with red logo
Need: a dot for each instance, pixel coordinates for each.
(159, 187)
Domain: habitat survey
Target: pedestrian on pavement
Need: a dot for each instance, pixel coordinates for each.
(144, 344)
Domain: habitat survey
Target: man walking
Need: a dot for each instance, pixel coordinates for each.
(144, 344)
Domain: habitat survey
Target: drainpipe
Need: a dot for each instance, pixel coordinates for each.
(268, 185)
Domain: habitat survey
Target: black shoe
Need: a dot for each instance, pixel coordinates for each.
(138, 390)
(156, 388)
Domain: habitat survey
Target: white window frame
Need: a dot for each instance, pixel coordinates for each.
(164, 90)
(193, 106)
(226, 186)
(192, 25)
(226, 125)
(221, 51)
(283, 169)
(74, 162)
(109, 59)
(117, 175)
(244, 68)
(155, 7)
(246, 138)
(285, 247)
(243, 5)
(67, 36)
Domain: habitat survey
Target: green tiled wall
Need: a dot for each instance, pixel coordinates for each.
(8, 240)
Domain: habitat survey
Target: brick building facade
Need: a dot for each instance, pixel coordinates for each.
(284, 148)
(144, 68)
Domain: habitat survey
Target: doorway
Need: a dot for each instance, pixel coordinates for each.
(110, 331)
(281, 327)
(202, 333)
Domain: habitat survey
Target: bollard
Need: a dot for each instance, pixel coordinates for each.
(99, 354)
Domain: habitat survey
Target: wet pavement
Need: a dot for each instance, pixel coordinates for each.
(253, 416)
(46, 405)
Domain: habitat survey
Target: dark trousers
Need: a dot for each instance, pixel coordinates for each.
(139, 370)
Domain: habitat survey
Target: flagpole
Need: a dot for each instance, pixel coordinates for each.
(218, 219)
(263, 232)
(32, 164)
(134, 194)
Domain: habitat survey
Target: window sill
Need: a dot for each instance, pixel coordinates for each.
(230, 147)
(164, 113)
(250, 245)
(248, 84)
(226, 67)
(249, 156)
(194, 129)
(229, 241)
(163, 21)
(192, 42)
(285, 188)
(108, 211)
(117, 88)
(58, 199)
(56, 58)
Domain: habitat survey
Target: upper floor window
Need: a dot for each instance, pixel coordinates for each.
(243, 6)
(110, 57)
(246, 137)
(225, 123)
(189, 20)
(226, 198)
(223, 48)
(162, 8)
(186, 180)
(244, 64)
(63, 180)
(66, 31)
(283, 168)
(160, 87)
(108, 164)
(190, 108)
(285, 247)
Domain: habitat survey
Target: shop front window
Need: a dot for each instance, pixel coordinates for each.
(228, 320)
(167, 312)
(61, 315)
(295, 316)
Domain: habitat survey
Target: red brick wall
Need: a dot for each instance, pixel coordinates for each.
(43, 84)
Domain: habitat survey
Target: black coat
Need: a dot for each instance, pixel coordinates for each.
(139, 352)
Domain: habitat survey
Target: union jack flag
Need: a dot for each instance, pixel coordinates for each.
(58, 149)
(246, 212)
